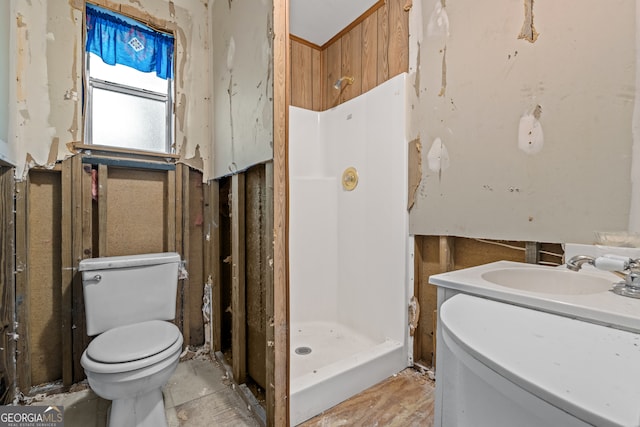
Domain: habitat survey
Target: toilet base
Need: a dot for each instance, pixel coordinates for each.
(146, 410)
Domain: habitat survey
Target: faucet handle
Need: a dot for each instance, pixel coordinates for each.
(630, 287)
(612, 262)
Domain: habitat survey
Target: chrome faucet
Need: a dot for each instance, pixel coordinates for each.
(576, 262)
(625, 267)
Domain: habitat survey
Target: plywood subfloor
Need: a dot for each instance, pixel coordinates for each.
(403, 400)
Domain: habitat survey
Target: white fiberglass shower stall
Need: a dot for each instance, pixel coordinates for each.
(351, 257)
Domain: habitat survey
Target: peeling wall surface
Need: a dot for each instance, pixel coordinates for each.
(49, 62)
(243, 84)
(6, 155)
(524, 111)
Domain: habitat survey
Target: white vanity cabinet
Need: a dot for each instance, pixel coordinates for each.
(509, 356)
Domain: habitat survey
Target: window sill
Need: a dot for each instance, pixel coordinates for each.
(125, 157)
(91, 149)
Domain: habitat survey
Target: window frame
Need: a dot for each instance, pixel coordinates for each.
(119, 88)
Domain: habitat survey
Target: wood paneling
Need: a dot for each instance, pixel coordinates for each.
(302, 77)
(398, 51)
(369, 53)
(383, 44)
(316, 79)
(373, 49)
(351, 65)
(332, 72)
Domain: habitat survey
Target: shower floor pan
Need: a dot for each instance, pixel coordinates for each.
(331, 362)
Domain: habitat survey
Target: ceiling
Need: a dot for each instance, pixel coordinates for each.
(317, 21)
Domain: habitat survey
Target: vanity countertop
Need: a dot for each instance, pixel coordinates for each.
(604, 307)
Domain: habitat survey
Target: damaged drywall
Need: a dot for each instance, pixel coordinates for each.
(530, 134)
(533, 134)
(528, 31)
(49, 63)
(35, 127)
(438, 30)
(415, 170)
(6, 150)
(243, 84)
(438, 157)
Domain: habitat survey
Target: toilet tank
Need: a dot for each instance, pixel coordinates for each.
(122, 290)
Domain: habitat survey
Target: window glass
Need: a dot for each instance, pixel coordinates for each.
(129, 103)
(123, 120)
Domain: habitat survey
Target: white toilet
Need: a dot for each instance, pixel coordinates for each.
(129, 301)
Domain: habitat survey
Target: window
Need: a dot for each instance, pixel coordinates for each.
(129, 69)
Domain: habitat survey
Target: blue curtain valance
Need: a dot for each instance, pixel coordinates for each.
(121, 40)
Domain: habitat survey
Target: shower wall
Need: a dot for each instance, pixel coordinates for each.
(350, 250)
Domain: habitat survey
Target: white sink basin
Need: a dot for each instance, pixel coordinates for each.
(584, 295)
(551, 281)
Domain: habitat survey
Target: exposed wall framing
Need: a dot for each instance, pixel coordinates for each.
(7, 289)
(238, 284)
(89, 206)
(212, 261)
(438, 254)
(66, 285)
(44, 267)
(270, 360)
(277, 392)
(246, 277)
(258, 274)
(23, 355)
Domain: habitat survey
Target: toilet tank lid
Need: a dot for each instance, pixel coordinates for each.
(125, 261)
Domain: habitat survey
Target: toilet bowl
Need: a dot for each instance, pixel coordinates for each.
(129, 301)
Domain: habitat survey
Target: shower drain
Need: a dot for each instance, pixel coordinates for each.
(303, 351)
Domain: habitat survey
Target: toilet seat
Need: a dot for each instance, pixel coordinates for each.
(133, 342)
(132, 347)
